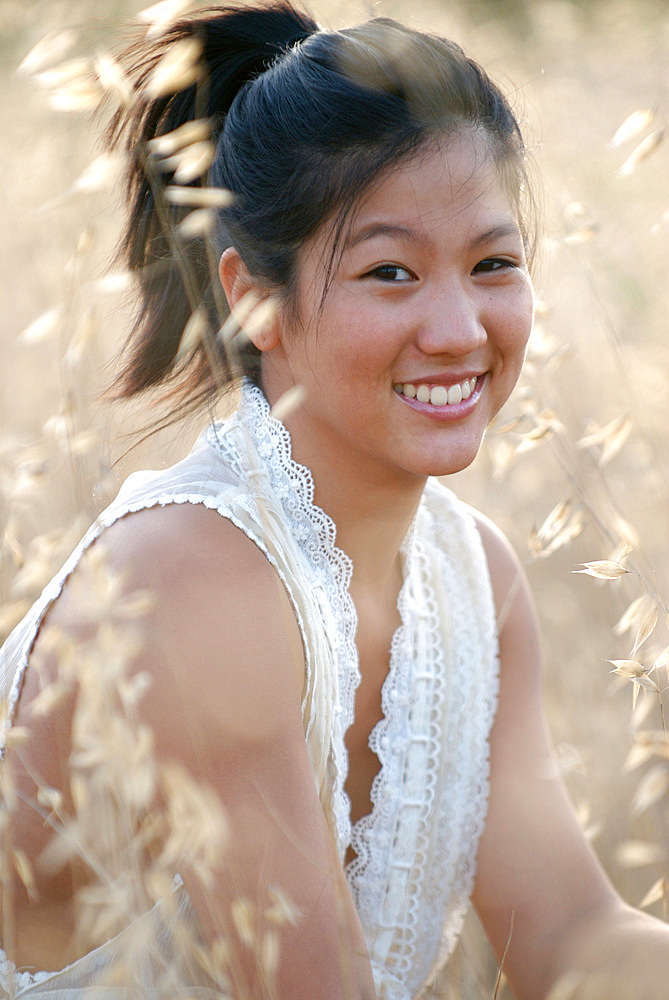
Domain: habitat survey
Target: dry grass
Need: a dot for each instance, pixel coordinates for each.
(576, 469)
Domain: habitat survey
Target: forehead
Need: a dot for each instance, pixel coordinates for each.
(454, 183)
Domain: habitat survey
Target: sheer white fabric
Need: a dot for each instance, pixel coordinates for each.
(145, 960)
(413, 874)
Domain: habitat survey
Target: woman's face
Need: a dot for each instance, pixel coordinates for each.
(421, 335)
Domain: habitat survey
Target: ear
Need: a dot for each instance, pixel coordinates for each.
(262, 328)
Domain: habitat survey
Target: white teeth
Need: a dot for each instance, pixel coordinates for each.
(454, 395)
(438, 395)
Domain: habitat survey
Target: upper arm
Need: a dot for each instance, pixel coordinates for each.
(536, 874)
(222, 654)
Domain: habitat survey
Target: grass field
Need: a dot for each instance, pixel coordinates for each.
(585, 430)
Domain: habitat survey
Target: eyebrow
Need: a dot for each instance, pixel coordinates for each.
(501, 230)
(408, 235)
(375, 229)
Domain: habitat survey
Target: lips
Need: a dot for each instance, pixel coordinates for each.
(437, 395)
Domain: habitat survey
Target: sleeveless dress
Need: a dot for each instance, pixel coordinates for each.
(415, 859)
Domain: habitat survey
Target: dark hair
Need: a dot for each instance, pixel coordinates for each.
(304, 122)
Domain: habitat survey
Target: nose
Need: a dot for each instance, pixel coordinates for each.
(454, 323)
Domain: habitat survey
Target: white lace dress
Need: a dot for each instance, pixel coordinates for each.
(413, 874)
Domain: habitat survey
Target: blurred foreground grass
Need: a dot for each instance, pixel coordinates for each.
(586, 429)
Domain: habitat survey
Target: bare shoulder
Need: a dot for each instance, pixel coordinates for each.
(511, 591)
(219, 639)
(177, 552)
(183, 546)
(494, 540)
(223, 632)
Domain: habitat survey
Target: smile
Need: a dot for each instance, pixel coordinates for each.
(437, 395)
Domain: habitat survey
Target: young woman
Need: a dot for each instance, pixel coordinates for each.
(336, 646)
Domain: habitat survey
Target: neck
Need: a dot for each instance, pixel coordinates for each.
(371, 526)
(372, 510)
(371, 503)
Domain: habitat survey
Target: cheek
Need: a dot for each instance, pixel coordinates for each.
(518, 324)
(529, 322)
(349, 340)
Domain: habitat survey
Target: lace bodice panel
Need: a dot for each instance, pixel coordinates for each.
(413, 873)
(415, 864)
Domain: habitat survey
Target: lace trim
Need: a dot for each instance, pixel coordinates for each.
(316, 533)
(416, 850)
(12, 981)
(392, 842)
(474, 692)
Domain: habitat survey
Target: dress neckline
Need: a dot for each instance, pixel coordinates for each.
(316, 532)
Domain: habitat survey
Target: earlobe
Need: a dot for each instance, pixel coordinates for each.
(254, 307)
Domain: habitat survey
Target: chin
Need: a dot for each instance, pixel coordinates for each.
(448, 465)
(448, 469)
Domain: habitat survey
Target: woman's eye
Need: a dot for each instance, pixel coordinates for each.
(492, 264)
(390, 272)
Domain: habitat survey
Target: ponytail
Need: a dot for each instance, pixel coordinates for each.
(178, 278)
